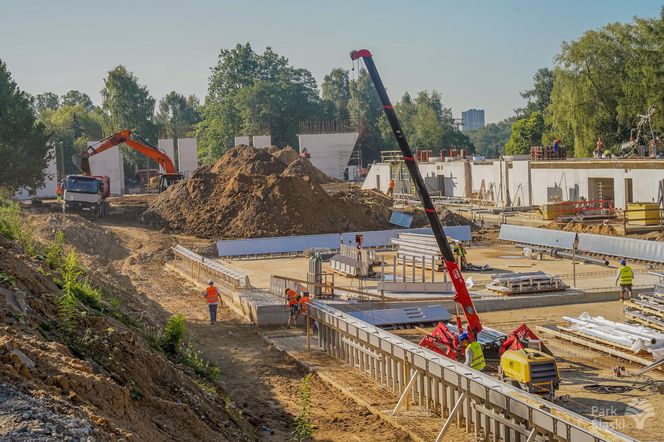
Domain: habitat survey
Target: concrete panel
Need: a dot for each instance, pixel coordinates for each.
(109, 163)
(187, 155)
(47, 190)
(329, 152)
(242, 140)
(262, 140)
(166, 144)
(378, 177)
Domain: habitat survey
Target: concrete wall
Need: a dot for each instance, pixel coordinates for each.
(109, 163)
(329, 152)
(47, 190)
(242, 140)
(166, 144)
(187, 155)
(520, 184)
(378, 177)
(457, 178)
(262, 140)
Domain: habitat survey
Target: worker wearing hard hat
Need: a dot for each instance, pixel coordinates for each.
(625, 277)
(213, 299)
(473, 351)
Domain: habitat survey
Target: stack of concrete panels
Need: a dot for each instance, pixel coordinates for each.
(522, 283)
(424, 248)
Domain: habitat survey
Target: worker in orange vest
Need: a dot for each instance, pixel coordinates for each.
(292, 299)
(390, 188)
(213, 299)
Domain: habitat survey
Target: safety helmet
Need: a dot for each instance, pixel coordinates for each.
(210, 282)
(623, 262)
(463, 335)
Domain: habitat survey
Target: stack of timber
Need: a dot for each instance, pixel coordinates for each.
(524, 283)
(630, 342)
(648, 308)
(421, 249)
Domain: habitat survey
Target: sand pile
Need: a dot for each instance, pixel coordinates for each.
(253, 193)
(598, 229)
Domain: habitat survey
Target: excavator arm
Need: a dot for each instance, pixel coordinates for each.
(125, 136)
(462, 297)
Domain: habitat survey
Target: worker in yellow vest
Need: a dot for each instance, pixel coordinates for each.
(473, 351)
(213, 299)
(625, 277)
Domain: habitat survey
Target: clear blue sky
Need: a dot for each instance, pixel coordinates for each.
(478, 54)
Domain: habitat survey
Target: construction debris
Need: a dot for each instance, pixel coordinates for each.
(251, 193)
(572, 226)
(523, 283)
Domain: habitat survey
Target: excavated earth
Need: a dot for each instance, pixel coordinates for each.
(258, 193)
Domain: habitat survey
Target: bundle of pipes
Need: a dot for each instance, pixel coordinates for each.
(527, 282)
(634, 337)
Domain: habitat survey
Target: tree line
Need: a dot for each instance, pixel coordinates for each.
(598, 87)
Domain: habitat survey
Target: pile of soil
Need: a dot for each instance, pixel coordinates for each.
(598, 229)
(251, 193)
(120, 389)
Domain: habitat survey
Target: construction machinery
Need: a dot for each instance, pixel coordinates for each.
(86, 195)
(170, 177)
(533, 369)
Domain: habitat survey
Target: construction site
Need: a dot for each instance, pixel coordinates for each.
(166, 291)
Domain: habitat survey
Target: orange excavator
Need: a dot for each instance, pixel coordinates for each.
(134, 141)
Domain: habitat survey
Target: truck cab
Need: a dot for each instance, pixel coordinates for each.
(86, 195)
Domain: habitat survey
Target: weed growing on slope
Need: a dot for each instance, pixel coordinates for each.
(303, 427)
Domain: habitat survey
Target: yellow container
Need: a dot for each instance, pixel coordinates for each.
(643, 214)
(551, 211)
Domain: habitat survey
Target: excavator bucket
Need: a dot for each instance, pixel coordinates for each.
(82, 163)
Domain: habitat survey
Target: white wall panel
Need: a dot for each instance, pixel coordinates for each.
(329, 152)
(109, 163)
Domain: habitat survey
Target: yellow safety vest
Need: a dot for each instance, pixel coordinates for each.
(477, 362)
(626, 275)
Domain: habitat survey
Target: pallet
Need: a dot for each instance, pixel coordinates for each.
(645, 308)
(641, 318)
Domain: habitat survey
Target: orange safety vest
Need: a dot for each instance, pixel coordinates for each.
(212, 295)
(391, 184)
(303, 302)
(292, 297)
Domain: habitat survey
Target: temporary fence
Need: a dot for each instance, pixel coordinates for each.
(478, 402)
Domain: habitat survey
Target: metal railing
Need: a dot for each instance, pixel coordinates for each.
(476, 401)
(201, 269)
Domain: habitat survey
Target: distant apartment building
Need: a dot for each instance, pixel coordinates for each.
(472, 119)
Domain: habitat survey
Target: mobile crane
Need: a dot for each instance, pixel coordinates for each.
(532, 369)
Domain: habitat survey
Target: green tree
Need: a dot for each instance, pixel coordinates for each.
(23, 146)
(490, 140)
(45, 101)
(336, 93)
(539, 97)
(128, 105)
(365, 110)
(526, 132)
(74, 98)
(178, 115)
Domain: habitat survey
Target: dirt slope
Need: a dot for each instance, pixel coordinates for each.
(114, 387)
(252, 193)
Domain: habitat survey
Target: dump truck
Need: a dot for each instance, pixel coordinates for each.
(86, 195)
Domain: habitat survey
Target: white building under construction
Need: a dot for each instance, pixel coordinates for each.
(519, 181)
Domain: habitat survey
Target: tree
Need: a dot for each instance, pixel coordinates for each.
(178, 115)
(128, 105)
(336, 93)
(526, 132)
(46, 100)
(539, 97)
(365, 109)
(255, 94)
(74, 98)
(23, 147)
(490, 140)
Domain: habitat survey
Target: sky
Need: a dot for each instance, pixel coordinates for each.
(476, 53)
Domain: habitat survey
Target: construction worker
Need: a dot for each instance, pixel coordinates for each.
(462, 256)
(59, 190)
(303, 301)
(473, 351)
(213, 299)
(390, 188)
(624, 277)
(292, 299)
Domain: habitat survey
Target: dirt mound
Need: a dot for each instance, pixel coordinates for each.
(303, 167)
(111, 386)
(598, 229)
(450, 218)
(286, 155)
(84, 235)
(251, 193)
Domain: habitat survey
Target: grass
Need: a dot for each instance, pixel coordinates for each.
(303, 427)
(7, 279)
